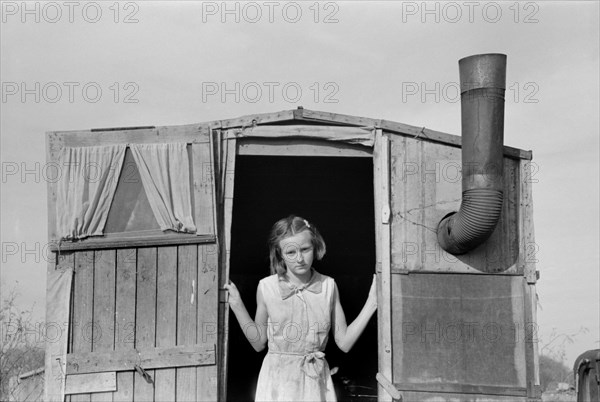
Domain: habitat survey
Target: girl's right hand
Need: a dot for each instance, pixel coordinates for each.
(234, 295)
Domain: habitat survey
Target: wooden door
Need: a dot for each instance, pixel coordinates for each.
(144, 306)
(449, 327)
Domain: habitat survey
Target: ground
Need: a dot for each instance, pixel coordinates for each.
(559, 396)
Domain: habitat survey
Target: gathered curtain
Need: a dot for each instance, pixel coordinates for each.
(86, 188)
(165, 173)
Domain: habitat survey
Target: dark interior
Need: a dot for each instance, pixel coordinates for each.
(336, 195)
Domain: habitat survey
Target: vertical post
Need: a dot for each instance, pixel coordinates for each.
(527, 263)
(381, 162)
(227, 166)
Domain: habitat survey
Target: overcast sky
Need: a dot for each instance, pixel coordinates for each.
(96, 65)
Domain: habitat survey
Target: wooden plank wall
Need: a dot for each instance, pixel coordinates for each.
(456, 334)
(144, 298)
(426, 186)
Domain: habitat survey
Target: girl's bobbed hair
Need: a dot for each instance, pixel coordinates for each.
(291, 226)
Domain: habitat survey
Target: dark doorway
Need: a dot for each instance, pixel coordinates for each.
(335, 194)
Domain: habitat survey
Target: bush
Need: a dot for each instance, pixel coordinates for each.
(20, 351)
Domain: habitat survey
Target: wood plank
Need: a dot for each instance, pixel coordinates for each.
(148, 358)
(381, 391)
(128, 241)
(125, 317)
(54, 377)
(313, 115)
(383, 228)
(351, 135)
(228, 167)
(53, 146)
(166, 319)
(256, 118)
(104, 383)
(145, 322)
(203, 188)
(83, 305)
(401, 271)
(104, 308)
(388, 386)
(528, 248)
(187, 266)
(531, 357)
(462, 389)
(206, 376)
(301, 147)
(191, 134)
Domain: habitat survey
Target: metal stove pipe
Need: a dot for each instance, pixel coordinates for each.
(482, 83)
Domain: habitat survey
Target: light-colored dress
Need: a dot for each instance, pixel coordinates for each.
(299, 320)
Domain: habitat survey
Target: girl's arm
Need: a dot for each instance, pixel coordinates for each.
(345, 336)
(255, 330)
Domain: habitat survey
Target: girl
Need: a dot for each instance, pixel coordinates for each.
(296, 308)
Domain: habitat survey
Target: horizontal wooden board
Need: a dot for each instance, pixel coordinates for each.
(193, 133)
(260, 118)
(129, 242)
(125, 360)
(300, 147)
(422, 396)
(463, 389)
(86, 383)
(350, 135)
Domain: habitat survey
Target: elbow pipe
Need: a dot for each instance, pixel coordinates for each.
(482, 84)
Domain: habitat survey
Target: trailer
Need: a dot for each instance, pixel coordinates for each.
(148, 223)
(586, 376)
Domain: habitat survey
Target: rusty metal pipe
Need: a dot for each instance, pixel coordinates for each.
(482, 83)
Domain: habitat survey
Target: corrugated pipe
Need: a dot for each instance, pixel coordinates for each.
(482, 86)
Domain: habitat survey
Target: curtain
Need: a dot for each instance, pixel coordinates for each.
(165, 173)
(86, 189)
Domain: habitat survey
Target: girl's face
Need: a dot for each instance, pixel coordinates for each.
(297, 252)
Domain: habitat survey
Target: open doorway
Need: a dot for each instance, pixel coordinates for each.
(334, 193)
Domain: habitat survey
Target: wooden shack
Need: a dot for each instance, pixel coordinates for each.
(143, 311)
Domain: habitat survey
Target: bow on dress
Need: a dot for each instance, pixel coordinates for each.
(286, 289)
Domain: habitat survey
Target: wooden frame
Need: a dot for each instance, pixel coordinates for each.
(527, 259)
(228, 152)
(200, 143)
(233, 144)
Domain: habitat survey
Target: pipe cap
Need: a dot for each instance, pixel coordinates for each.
(482, 71)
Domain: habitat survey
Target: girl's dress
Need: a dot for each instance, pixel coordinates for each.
(299, 320)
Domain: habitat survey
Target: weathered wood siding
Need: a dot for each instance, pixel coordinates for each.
(142, 298)
(426, 186)
(462, 326)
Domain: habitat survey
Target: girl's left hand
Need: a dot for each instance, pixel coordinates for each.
(372, 299)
